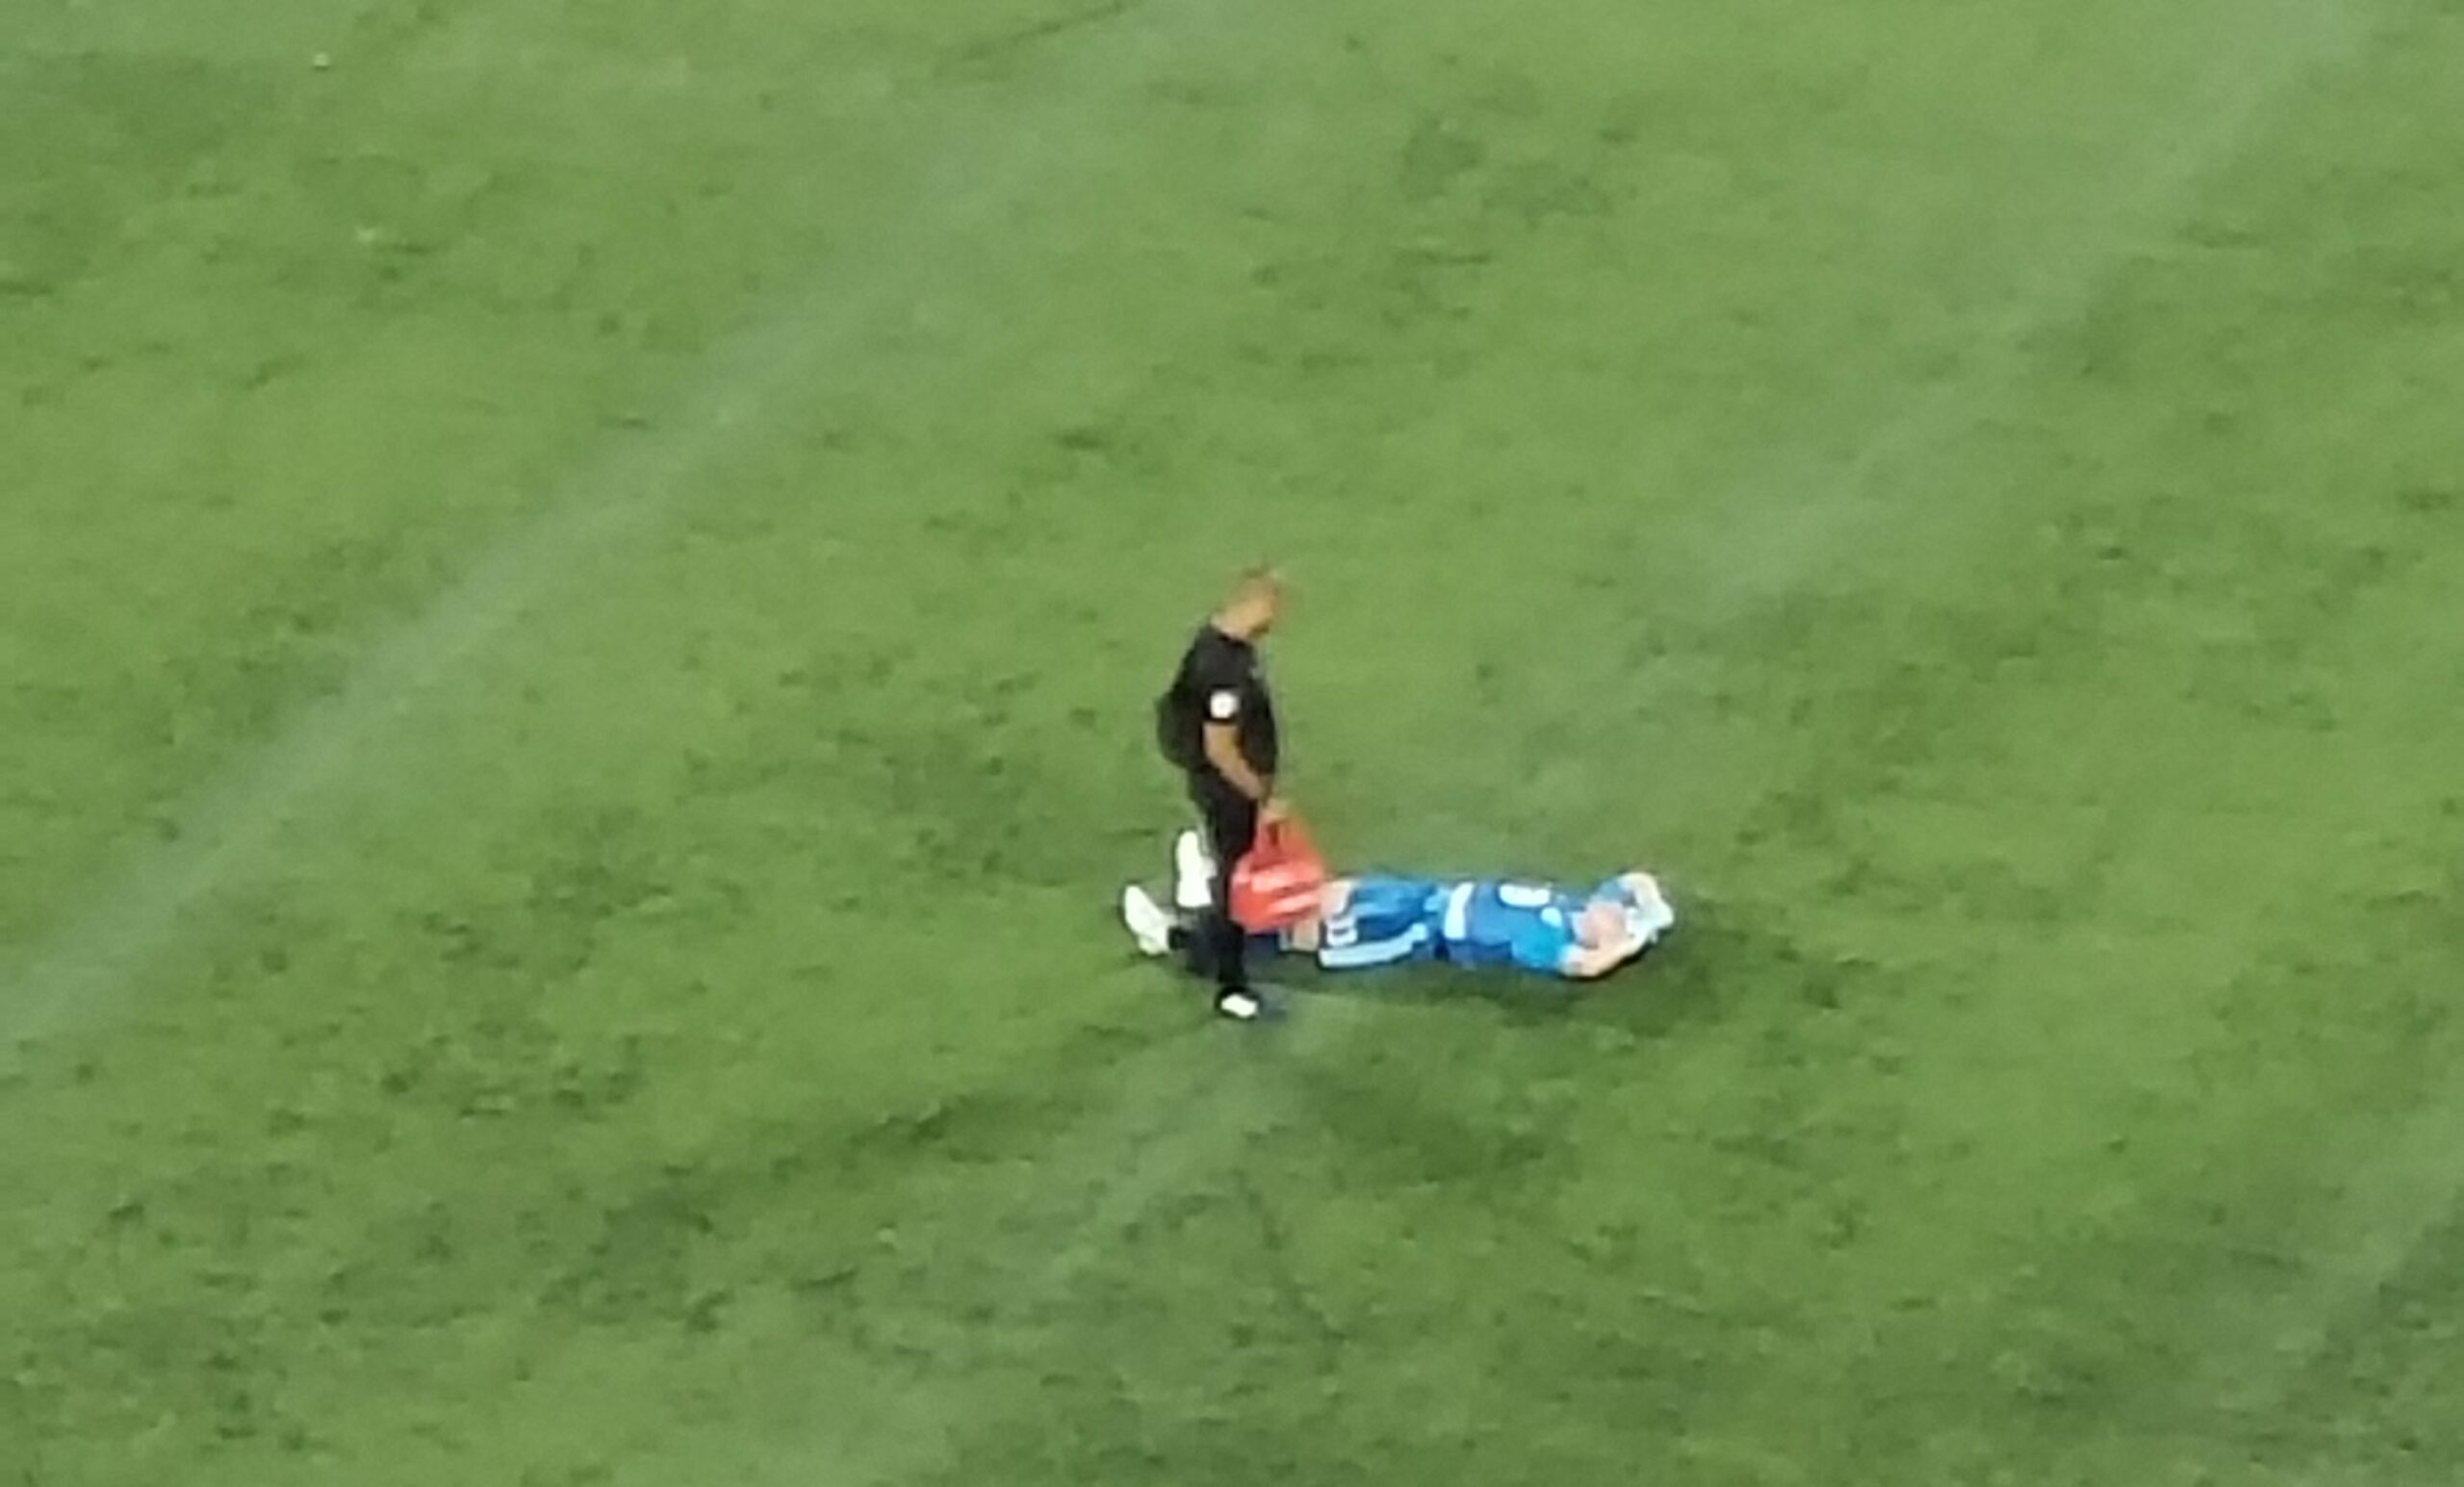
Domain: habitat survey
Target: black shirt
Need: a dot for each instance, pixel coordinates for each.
(1219, 681)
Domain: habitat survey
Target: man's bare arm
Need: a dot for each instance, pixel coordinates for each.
(1223, 752)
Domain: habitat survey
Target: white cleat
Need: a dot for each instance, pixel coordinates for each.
(1147, 922)
(1239, 1005)
(1192, 875)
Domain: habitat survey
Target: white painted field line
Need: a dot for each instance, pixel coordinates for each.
(1199, 1130)
(224, 835)
(1160, 1134)
(2405, 1186)
(82, 971)
(1771, 530)
(994, 153)
(2401, 1187)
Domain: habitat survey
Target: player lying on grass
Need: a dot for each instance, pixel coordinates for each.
(1376, 920)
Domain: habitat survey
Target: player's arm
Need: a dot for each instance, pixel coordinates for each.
(1544, 953)
(1582, 963)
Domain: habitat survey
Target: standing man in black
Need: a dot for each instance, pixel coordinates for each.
(1215, 723)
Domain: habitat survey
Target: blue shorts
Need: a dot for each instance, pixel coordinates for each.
(1390, 921)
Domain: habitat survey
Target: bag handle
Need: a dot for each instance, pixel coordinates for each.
(1284, 836)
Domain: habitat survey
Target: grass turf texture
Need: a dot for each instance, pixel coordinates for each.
(577, 595)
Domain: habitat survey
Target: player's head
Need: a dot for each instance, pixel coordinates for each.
(1601, 925)
(1256, 597)
(1628, 910)
(1637, 897)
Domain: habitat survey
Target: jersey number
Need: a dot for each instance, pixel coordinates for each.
(1524, 895)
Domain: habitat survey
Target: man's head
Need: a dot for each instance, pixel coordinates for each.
(1250, 610)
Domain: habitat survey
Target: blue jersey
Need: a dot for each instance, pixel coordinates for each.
(1387, 921)
(1483, 922)
(1526, 925)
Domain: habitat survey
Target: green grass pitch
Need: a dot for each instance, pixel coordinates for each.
(580, 582)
